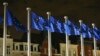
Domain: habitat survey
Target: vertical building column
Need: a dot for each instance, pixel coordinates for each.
(15, 47)
(37, 48)
(18, 47)
(23, 47)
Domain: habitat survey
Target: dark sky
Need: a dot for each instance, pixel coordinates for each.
(87, 10)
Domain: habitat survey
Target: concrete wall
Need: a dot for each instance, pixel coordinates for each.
(73, 49)
(9, 47)
(97, 52)
(24, 53)
(18, 52)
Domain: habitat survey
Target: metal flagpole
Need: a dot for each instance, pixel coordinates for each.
(82, 41)
(49, 38)
(28, 32)
(94, 39)
(4, 29)
(67, 39)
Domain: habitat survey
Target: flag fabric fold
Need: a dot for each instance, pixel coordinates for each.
(1, 20)
(10, 17)
(39, 23)
(70, 28)
(12, 21)
(36, 21)
(96, 33)
(54, 24)
(60, 26)
(85, 31)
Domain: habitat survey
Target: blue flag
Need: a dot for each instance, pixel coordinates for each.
(96, 33)
(70, 28)
(51, 24)
(60, 26)
(56, 25)
(18, 25)
(9, 18)
(76, 30)
(1, 20)
(85, 31)
(12, 21)
(35, 21)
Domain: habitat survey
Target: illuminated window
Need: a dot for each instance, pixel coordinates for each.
(8, 50)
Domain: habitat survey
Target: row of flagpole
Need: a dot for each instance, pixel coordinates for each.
(49, 35)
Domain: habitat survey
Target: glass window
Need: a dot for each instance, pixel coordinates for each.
(34, 48)
(8, 50)
(31, 47)
(21, 47)
(25, 47)
(16, 47)
(13, 46)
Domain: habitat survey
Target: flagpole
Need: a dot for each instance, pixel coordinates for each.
(67, 39)
(49, 38)
(82, 41)
(4, 29)
(94, 39)
(28, 32)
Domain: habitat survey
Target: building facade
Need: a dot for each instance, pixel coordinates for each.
(73, 49)
(9, 46)
(18, 48)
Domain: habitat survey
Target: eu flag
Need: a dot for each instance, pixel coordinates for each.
(51, 24)
(9, 18)
(12, 21)
(35, 21)
(85, 31)
(56, 25)
(67, 29)
(18, 25)
(60, 26)
(70, 28)
(76, 30)
(1, 20)
(96, 33)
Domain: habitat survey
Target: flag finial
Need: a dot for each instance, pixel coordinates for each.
(80, 21)
(28, 8)
(65, 17)
(93, 25)
(48, 13)
(5, 3)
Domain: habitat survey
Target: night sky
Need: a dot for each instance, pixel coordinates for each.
(87, 10)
